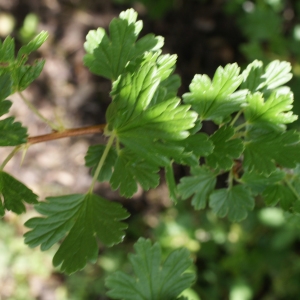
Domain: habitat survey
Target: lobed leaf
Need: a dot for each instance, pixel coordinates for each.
(93, 157)
(129, 170)
(12, 133)
(85, 219)
(225, 149)
(152, 281)
(279, 193)
(234, 202)
(14, 194)
(108, 56)
(201, 184)
(215, 100)
(265, 149)
(275, 111)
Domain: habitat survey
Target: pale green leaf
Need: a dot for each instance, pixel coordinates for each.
(275, 111)
(216, 99)
(108, 56)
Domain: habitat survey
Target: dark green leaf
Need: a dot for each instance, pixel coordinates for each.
(234, 202)
(259, 182)
(266, 149)
(93, 157)
(201, 184)
(170, 180)
(5, 86)
(27, 74)
(14, 194)
(279, 193)
(86, 218)
(130, 169)
(225, 149)
(152, 281)
(12, 133)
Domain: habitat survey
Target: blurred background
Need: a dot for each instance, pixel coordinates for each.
(258, 258)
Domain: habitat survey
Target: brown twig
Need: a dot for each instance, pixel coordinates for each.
(66, 133)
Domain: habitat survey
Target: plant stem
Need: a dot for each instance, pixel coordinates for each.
(237, 128)
(66, 133)
(10, 156)
(101, 162)
(236, 117)
(38, 114)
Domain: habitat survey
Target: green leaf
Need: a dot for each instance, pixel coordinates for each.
(93, 157)
(130, 169)
(265, 149)
(234, 202)
(27, 74)
(275, 111)
(108, 56)
(259, 182)
(32, 46)
(226, 149)
(5, 86)
(195, 146)
(5, 105)
(275, 75)
(215, 100)
(7, 50)
(200, 184)
(12, 133)
(14, 194)
(152, 281)
(85, 219)
(279, 193)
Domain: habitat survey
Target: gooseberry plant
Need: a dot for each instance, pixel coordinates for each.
(149, 128)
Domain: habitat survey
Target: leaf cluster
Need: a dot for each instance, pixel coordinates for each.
(149, 128)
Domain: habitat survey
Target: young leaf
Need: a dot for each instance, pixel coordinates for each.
(32, 46)
(234, 202)
(201, 184)
(14, 194)
(275, 111)
(93, 157)
(275, 75)
(216, 99)
(265, 149)
(108, 56)
(85, 219)
(225, 149)
(12, 133)
(152, 281)
(130, 169)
